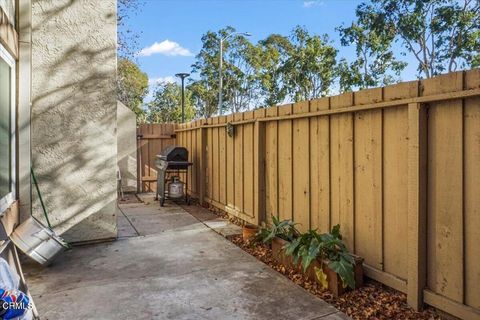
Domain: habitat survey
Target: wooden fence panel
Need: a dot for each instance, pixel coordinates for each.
(248, 161)
(341, 162)
(368, 172)
(285, 169)
(445, 212)
(151, 140)
(471, 175)
(301, 167)
(230, 173)
(397, 167)
(238, 167)
(271, 165)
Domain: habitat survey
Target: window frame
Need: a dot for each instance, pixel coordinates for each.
(9, 199)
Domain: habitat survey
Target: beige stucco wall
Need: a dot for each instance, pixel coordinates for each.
(8, 7)
(74, 148)
(127, 147)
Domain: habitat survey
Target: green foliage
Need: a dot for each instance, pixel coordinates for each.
(238, 72)
(166, 105)
(309, 70)
(270, 69)
(132, 85)
(375, 64)
(328, 247)
(442, 35)
(284, 229)
(127, 39)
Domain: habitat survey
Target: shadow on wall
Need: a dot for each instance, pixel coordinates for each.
(74, 115)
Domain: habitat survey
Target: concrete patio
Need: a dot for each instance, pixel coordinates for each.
(168, 264)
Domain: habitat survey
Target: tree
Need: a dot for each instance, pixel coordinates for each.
(132, 85)
(273, 53)
(127, 39)
(238, 73)
(204, 98)
(310, 67)
(442, 35)
(375, 63)
(166, 105)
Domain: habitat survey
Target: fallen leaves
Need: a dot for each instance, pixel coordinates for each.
(372, 301)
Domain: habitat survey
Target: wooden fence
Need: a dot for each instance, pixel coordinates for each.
(397, 167)
(151, 140)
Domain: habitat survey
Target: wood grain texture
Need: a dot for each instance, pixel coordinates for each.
(285, 207)
(301, 167)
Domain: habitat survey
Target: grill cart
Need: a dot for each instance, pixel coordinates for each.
(172, 161)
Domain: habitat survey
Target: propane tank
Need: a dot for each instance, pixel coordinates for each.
(175, 188)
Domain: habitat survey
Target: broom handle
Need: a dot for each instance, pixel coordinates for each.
(40, 197)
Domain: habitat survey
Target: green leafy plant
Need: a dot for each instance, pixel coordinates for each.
(284, 229)
(327, 248)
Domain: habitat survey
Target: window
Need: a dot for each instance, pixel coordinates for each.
(7, 129)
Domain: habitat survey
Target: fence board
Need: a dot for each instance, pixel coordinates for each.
(342, 176)
(285, 165)
(271, 170)
(320, 167)
(301, 167)
(230, 168)
(445, 208)
(248, 160)
(395, 191)
(471, 192)
(238, 139)
(368, 180)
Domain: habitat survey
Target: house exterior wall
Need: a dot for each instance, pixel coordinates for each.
(127, 147)
(8, 7)
(74, 145)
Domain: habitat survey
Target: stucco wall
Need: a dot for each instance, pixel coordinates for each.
(74, 115)
(127, 147)
(8, 7)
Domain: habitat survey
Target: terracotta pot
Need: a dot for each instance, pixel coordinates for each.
(249, 231)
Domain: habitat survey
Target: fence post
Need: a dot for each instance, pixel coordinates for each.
(202, 165)
(417, 203)
(259, 171)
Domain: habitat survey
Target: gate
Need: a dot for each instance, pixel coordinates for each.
(151, 140)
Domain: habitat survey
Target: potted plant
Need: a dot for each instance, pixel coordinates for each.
(249, 231)
(325, 259)
(278, 235)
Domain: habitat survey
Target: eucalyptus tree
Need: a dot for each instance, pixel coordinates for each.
(442, 35)
(309, 69)
(239, 92)
(271, 56)
(132, 85)
(375, 63)
(166, 105)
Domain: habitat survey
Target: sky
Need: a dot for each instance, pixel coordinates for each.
(170, 31)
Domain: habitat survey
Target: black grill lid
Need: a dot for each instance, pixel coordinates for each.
(174, 153)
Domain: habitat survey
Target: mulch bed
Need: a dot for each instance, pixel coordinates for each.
(373, 301)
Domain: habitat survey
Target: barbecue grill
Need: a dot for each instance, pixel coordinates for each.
(172, 161)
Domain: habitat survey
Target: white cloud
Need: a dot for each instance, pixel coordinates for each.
(312, 3)
(167, 48)
(167, 79)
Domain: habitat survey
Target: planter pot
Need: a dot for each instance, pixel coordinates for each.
(279, 253)
(249, 231)
(335, 283)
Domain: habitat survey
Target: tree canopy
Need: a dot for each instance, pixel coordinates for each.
(132, 85)
(439, 35)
